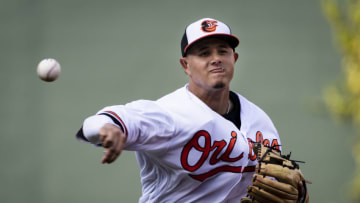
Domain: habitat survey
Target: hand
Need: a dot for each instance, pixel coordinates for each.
(113, 139)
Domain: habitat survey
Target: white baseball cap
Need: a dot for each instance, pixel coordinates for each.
(206, 27)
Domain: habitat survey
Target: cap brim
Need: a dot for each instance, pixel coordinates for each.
(232, 39)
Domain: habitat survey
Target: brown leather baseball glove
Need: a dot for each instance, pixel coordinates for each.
(277, 179)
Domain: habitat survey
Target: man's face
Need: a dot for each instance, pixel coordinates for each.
(210, 64)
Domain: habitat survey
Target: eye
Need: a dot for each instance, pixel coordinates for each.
(223, 51)
(204, 53)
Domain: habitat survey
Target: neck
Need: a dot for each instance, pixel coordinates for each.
(217, 99)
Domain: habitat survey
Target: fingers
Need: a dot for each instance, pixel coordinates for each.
(108, 139)
(113, 140)
(114, 151)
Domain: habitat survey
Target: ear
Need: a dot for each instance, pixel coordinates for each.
(236, 56)
(184, 63)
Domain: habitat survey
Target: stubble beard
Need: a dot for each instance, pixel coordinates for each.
(219, 85)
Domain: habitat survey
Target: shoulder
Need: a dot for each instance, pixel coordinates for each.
(180, 93)
(180, 100)
(186, 108)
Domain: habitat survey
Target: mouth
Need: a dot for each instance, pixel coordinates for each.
(217, 70)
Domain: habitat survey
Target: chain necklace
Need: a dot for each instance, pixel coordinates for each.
(228, 107)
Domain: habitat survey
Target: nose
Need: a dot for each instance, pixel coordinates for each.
(216, 60)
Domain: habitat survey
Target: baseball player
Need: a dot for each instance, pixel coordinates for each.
(194, 144)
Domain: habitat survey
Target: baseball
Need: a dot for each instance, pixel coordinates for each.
(48, 70)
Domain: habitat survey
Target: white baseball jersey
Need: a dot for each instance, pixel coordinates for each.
(186, 151)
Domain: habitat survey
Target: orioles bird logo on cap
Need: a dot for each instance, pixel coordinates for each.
(209, 25)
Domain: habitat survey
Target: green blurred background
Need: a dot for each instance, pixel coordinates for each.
(113, 52)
